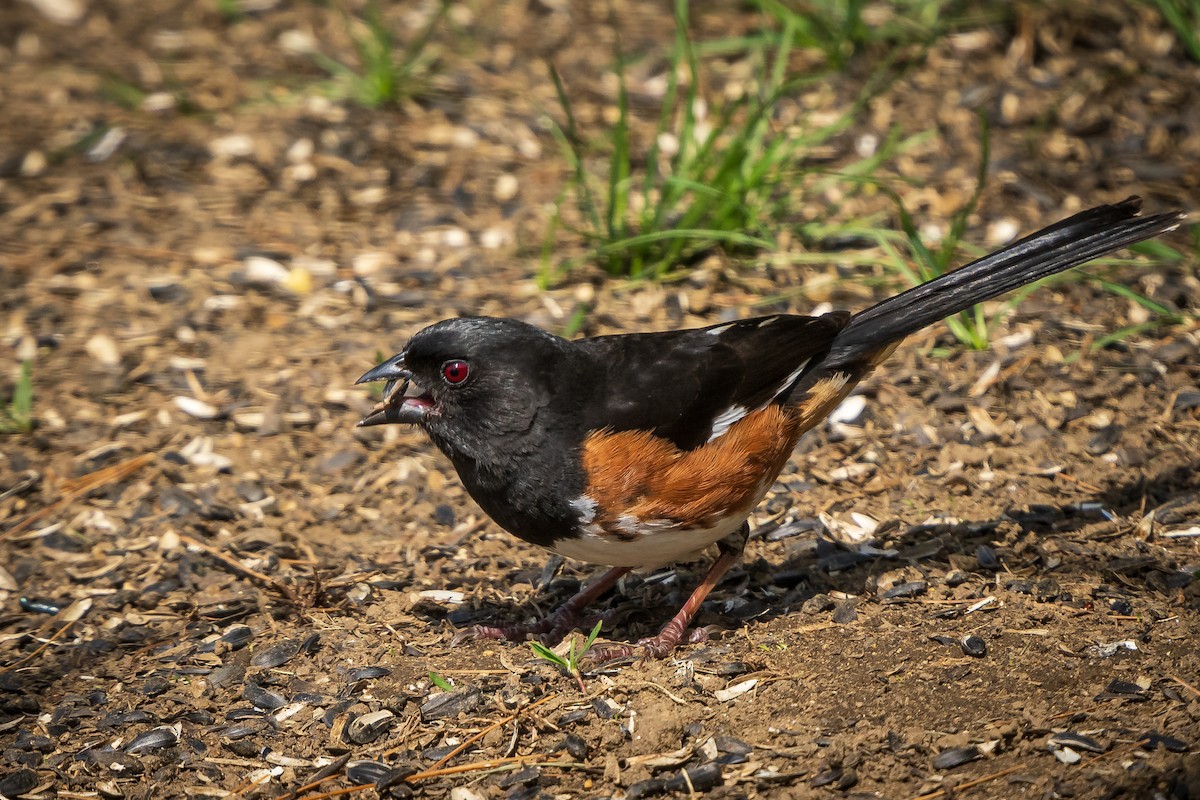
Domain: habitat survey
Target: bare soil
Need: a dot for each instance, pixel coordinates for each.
(213, 585)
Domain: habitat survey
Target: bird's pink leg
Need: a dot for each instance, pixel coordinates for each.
(554, 626)
(673, 632)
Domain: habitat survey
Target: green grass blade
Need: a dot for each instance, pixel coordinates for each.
(416, 47)
(17, 416)
(619, 167)
(1121, 290)
(958, 225)
(1129, 331)
(23, 393)
(568, 140)
(546, 654)
(1188, 30)
(591, 637)
(1158, 251)
(575, 323)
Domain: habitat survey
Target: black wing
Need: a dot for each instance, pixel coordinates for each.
(687, 385)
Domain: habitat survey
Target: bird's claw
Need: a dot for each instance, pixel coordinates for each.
(477, 632)
(659, 646)
(549, 630)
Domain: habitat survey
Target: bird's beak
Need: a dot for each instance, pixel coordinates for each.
(404, 403)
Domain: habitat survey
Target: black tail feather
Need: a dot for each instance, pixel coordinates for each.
(1069, 243)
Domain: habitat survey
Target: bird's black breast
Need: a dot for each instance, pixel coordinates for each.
(527, 472)
(528, 494)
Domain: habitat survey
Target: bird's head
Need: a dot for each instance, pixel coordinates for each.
(467, 381)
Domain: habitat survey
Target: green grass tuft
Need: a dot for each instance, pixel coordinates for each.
(841, 29)
(384, 74)
(972, 327)
(17, 417)
(724, 179)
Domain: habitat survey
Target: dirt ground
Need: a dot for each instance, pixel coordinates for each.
(214, 586)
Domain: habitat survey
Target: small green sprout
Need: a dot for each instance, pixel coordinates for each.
(440, 682)
(570, 662)
(17, 417)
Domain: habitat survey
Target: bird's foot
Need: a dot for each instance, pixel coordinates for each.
(550, 630)
(674, 632)
(660, 646)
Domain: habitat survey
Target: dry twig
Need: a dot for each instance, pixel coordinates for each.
(76, 487)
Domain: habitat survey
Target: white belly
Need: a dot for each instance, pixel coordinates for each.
(653, 546)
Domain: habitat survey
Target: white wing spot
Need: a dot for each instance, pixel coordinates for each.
(717, 331)
(765, 321)
(586, 507)
(725, 419)
(791, 378)
(629, 525)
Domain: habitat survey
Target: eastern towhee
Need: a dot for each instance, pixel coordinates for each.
(637, 450)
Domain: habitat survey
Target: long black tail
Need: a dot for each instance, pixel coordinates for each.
(1069, 243)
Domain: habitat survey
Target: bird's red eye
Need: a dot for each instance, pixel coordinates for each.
(455, 371)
